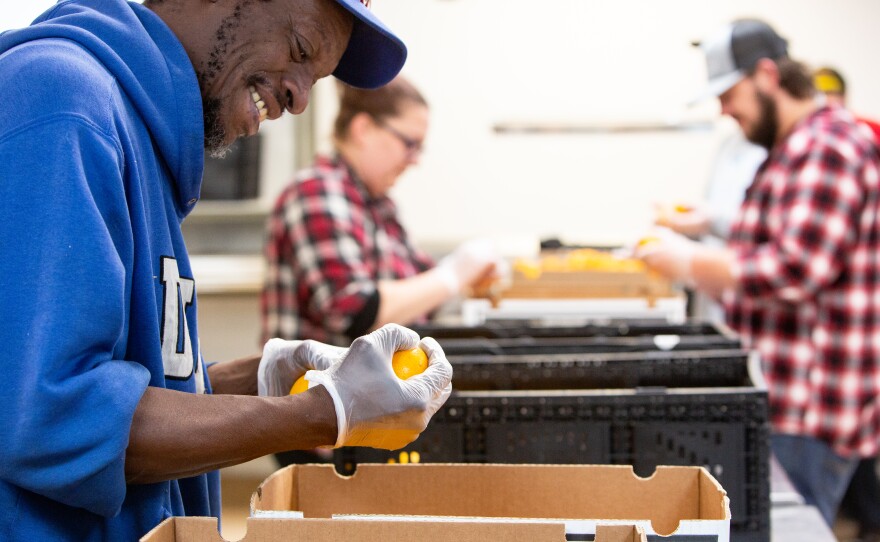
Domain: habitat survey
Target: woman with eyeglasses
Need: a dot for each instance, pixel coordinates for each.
(339, 262)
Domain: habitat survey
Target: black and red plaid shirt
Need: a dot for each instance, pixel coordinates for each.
(328, 243)
(807, 241)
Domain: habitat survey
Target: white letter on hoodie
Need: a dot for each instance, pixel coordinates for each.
(177, 354)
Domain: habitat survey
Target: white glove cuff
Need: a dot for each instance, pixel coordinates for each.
(315, 378)
(687, 269)
(448, 277)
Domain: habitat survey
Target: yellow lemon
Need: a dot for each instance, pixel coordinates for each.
(407, 363)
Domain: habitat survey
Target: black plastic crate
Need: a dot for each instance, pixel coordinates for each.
(724, 429)
(565, 345)
(661, 369)
(508, 329)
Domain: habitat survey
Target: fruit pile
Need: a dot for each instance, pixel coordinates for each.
(582, 259)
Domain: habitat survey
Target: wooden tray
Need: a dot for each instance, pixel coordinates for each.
(589, 284)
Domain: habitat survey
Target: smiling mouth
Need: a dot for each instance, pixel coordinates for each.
(259, 102)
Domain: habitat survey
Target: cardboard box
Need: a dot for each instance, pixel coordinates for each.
(333, 530)
(724, 430)
(685, 501)
(474, 503)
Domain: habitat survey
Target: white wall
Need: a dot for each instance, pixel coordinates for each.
(481, 62)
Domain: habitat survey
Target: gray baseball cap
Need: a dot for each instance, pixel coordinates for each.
(732, 53)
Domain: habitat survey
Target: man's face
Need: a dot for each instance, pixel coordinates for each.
(835, 99)
(753, 110)
(256, 59)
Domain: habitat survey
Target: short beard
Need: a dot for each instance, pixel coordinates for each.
(215, 133)
(765, 133)
(224, 38)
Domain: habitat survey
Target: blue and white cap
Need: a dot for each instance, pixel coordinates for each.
(374, 55)
(733, 52)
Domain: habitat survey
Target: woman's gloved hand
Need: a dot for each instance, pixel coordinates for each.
(374, 407)
(470, 263)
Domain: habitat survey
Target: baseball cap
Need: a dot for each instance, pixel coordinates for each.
(733, 52)
(829, 81)
(374, 54)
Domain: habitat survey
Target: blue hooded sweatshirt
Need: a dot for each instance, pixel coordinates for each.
(101, 158)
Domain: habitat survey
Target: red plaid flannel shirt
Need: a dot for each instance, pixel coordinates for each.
(328, 243)
(807, 241)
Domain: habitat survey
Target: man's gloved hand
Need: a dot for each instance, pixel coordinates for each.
(684, 219)
(472, 262)
(668, 253)
(283, 362)
(374, 407)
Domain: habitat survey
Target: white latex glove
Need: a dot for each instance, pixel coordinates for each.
(283, 362)
(686, 220)
(669, 254)
(374, 407)
(470, 263)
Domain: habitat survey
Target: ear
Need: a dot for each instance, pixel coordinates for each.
(766, 76)
(361, 124)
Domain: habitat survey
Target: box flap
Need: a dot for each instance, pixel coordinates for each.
(611, 492)
(282, 494)
(710, 505)
(620, 533)
(164, 532)
(191, 529)
(178, 529)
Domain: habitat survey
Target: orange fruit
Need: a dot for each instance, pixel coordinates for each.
(299, 386)
(683, 208)
(407, 363)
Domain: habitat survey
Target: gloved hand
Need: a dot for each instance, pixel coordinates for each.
(283, 362)
(472, 262)
(374, 407)
(668, 253)
(686, 220)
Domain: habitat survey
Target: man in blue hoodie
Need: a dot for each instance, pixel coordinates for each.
(109, 422)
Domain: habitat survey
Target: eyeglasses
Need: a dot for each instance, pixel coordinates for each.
(413, 147)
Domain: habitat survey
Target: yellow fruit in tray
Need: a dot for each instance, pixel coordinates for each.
(588, 259)
(582, 259)
(529, 268)
(553, 263)
(577, 260)
(683, 208)
(300, 385)
(632, 265)
(407, 363)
